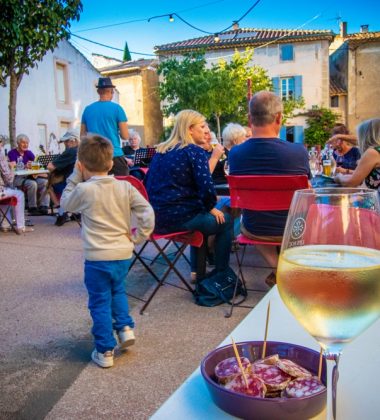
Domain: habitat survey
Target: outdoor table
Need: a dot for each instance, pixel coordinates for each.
(322, 181)
(27, 172)
(359, 368)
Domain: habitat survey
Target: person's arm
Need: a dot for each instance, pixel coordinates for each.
(71, 198)
(144, 214)
(215, 156)
(369, 160)
(51, 166)
(6, 173)
(83, 129)
(123, 129)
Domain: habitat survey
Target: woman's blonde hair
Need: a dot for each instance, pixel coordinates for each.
(180, 133)
(369, 134)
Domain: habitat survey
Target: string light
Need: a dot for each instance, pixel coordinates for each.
(171, 18)
(216, 38)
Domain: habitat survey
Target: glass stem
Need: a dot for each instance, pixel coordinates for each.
(334, 382)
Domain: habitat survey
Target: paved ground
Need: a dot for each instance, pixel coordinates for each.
(45, 345)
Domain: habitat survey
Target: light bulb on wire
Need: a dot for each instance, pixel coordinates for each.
(171, 18)
(216, 38)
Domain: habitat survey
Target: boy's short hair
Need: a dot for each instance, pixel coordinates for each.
(95, 153)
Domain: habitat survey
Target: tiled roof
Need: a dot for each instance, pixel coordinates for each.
(336, 88)
(129, 66)
(362, 38)
(246, 37)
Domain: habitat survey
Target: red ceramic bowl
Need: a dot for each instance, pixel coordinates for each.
(248, 407)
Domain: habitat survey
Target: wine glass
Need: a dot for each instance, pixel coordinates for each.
(329, 267)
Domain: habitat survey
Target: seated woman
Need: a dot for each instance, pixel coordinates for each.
(346, 154)
(129, 154)
(35, 186)
(6, 191)
(181, 190)
(368, 169)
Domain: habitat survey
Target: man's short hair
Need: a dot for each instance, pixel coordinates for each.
(263, 107)
(95, 153)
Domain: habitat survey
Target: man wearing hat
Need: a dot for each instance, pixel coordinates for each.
(60, 169)
(108, 119)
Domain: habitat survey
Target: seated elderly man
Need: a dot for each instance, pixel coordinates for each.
(129, 154)
(346, 154)
(265, 154)
(60, 169)
(35, 187)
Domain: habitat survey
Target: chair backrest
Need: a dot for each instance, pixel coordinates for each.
(136, 183)
(264, 192)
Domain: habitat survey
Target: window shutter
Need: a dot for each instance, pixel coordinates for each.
(283, 133)
(298, 134)
(297, 86)
(276, 85)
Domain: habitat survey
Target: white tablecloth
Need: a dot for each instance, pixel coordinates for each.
(359, 368)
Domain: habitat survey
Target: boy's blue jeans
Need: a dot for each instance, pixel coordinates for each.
(207, 224)
(107, 300)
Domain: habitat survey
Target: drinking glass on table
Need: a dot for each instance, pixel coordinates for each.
(329, 268)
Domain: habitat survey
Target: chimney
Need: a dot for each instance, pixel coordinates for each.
(364, 29)
(343, 29)
(235, 25)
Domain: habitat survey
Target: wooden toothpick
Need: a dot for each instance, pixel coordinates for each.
(320, 364)
(239, 363)
(266, 333)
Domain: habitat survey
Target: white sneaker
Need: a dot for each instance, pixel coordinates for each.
(126, 337)
(104, 360)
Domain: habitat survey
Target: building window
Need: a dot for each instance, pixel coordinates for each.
(335, 101)
(62, 88)
(290, 134)
(286, 52)
(287, 88)
(42, 136)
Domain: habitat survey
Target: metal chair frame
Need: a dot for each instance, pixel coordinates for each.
(180, 239)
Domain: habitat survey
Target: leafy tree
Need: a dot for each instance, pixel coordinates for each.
(29, 28)
(127, 54)
(320, 122)
(218, 92)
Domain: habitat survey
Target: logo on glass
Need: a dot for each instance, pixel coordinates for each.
(298, 228)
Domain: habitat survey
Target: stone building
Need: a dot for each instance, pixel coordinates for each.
(137, 83)
(296, 60)
(354, 68)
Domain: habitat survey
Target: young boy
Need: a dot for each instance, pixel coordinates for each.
(106, 205)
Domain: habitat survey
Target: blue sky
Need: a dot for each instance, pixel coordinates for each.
(210, 16)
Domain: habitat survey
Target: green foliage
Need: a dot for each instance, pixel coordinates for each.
(127, 54)
(218, 92)
(30, 28)
(320, 122)
(290, 105)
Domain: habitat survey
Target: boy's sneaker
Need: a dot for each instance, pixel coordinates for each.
(104, 360)
(126, 337)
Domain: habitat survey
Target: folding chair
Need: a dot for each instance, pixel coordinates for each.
(9, 202)
(193, 238)
(261, 193)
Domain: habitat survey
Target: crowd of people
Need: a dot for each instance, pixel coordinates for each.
(180, 183)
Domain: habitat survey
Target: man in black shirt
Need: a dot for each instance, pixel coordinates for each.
(60, 169)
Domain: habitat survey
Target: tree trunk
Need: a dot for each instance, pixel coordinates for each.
(217, 117)
(13, 85)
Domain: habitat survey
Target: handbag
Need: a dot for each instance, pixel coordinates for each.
(218, 287)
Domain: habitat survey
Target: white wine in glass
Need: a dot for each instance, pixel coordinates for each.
(329, 267)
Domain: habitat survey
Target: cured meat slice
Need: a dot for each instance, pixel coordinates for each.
(274, 378)
(227, 369)
(270, 360)
(256, 386)
(292, 369)
(303, 387)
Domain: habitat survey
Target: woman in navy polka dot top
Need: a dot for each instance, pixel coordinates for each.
(181, 190)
